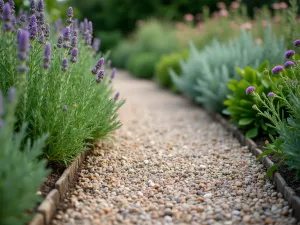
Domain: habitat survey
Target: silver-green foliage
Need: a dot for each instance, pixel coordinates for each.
(205, 74)
(21, 174)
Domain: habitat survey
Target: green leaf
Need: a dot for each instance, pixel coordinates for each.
(226, 112)
(252, 132)
(272, 169)
(245, 121)
(262, 66)
(266, 152)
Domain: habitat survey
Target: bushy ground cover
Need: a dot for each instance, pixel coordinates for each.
(64, 95)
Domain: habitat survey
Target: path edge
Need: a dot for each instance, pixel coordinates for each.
(47, 208)
(280, 184)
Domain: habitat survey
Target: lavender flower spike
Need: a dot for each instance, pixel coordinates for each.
(277, 69)
(67, 34)
(74, 41)
(100, 63)
(32, 7)
(65, 65)
(289, 64)
(289, 54)
(113, 73)
(59, 41)
(23, 42)
(40, 6)
(250, 89)
(74, 54)
(117, 96)
(91, 27)
(70, 12)
(11, 95)
(12, 6)
(1, 7)
(271, 94)
(33, 27)
(6, 16)
(297, 43)
(47, 55)
(101, 74)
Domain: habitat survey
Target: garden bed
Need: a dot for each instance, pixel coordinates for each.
(55, 188)
(283, 179)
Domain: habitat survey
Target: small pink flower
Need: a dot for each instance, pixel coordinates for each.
(223, 12)
(247, 26)
(235, 5)
(221, 5)
(276, 6)
(283, 5)
(200, 26)
(188, 17)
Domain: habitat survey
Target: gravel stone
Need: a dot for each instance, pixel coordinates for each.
(170, 163)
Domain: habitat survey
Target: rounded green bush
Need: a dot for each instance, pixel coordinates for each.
(165, 64)
(142, 65)
(122, 53)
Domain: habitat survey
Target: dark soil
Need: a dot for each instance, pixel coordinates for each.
(57, 171)
(288, 174)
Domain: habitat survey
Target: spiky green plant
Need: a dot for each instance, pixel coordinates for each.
(21, 174)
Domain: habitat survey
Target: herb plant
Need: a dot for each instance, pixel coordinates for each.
(59, 93)
(21, 173)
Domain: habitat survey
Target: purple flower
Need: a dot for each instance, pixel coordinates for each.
(22, 69)
(87, 38)
(65, 65)
(12, 5)
(113, 73)
(23, 42)
(40, 6)
(271, 94)
(67, 34)
(94, 70)
(59, 41)
(23, 19)
(100, 63)
(277, 69)
(33, 27)
(289, 53)
(6, 16)
(86, 24)
(250, 89)
(47, 55)
(81, 27)
(96, 44)
(289, 64)
(41, 19)
(47, 31)
(11, 95)
(42, 39)
(90, 27)
(74, 41)
(70, 12)
(74, 52)
(117, 96)
(297, 43)
(101, 74)
(75, 33)
(1, 6)
(99, 80)
(32, 7)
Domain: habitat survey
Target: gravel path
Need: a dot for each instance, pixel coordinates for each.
(170, 163)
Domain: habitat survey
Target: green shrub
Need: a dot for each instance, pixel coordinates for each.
(286, 91)
(63, 100)
(151, 37)
(239, 104)
(205, 74)
(165, 64)
(109, 39)
(21, 174)
(142, 65)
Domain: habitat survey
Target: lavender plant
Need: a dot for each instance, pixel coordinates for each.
(59, 94)
(287, 145)
(21, 174)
